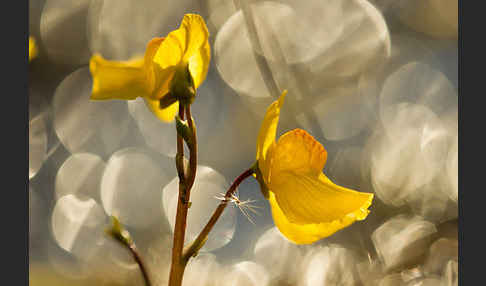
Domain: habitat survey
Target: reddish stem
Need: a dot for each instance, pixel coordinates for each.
(202, 237)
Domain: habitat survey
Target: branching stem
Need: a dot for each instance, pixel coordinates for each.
(187, 176)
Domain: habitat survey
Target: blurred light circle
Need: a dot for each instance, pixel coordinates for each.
(84, 125)
(328, 265)
(77, 225)
(233, 55)
(402, 239)
(274, 20)
(209, 185)
(419, 83)
(202, 270)
(277, 255)
(63, 31)
(131, 187)
(407, 159)
(431, 203)
(409, 153)
(352, 37)
(247, 273)
(303, 33)
(341, 113)
(158, 135)
(120, 30)
(296, 47)
(80, 174)
(37, 144)
(414, 121)
(409, 57)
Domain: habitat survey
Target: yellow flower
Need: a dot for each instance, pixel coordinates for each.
(165, 64)
(32, 49)
(306, 205)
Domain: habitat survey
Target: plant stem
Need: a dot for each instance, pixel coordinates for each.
(199, 242)
(133, 249)
(177, 266)
(192, 150)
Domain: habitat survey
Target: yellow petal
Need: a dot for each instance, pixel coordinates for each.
(117, 80)
(306, 199)
(268, 131)
(199, 65)
(32, 49)
(307, 233)
(157, 79)
(306, 205)
(299, 152)
(187, 45)
(198, 52)
(166, 114)
(171, 50)
(196, 35)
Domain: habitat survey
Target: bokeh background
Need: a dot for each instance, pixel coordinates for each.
(376, 82)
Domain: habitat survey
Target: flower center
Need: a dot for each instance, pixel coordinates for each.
(182, 84)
